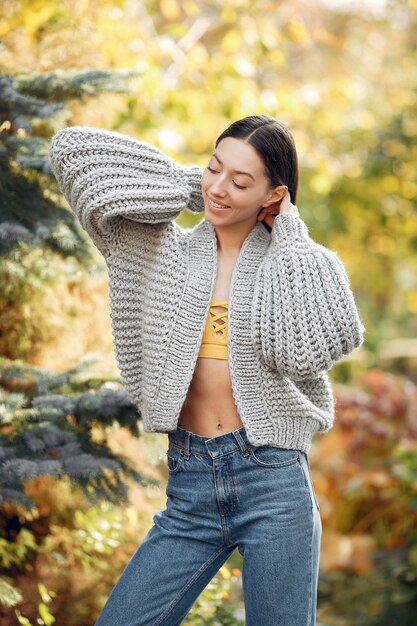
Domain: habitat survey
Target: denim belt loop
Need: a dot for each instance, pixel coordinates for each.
(242, 443)
(187, 445)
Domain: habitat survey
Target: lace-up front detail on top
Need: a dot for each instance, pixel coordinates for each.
(214, 341)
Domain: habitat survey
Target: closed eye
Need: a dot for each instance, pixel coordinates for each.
(216, 172)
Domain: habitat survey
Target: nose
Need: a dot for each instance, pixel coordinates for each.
(216, 189)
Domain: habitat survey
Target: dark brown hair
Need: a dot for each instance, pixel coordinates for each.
(275, 145)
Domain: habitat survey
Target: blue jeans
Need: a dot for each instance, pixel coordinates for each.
(225, 493)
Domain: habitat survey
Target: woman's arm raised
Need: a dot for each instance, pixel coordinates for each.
(304, 314)
(105, 175)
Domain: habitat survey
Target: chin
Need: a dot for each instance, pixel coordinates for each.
(218, 220)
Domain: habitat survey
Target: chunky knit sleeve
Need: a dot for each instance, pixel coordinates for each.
(105, 175)
(304, 316)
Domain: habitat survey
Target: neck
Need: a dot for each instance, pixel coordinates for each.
(231, 238)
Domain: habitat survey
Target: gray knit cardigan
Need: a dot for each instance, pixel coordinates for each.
(292, 313)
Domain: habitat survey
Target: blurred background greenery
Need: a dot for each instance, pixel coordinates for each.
(343, 76)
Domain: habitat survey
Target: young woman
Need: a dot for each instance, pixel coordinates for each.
(224, 334)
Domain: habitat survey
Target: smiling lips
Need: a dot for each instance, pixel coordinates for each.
(217, 207)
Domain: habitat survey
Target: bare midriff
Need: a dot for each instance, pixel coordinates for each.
(209, 409)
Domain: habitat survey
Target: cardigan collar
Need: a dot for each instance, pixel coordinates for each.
(202, 261)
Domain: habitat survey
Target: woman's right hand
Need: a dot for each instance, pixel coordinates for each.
(268, 214)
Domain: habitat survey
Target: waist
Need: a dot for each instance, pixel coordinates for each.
(199, 444)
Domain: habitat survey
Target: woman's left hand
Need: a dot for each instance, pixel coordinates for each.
(282, 206)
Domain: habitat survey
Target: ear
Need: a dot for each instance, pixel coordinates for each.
(276, 195)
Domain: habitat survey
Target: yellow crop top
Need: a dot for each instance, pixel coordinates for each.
(214, 341)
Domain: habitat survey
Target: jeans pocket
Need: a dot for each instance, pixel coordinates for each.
(271, 456)
(175, 458)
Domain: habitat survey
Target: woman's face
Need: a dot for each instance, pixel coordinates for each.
(234, 178)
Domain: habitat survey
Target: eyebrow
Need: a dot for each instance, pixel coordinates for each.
(236, 171)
